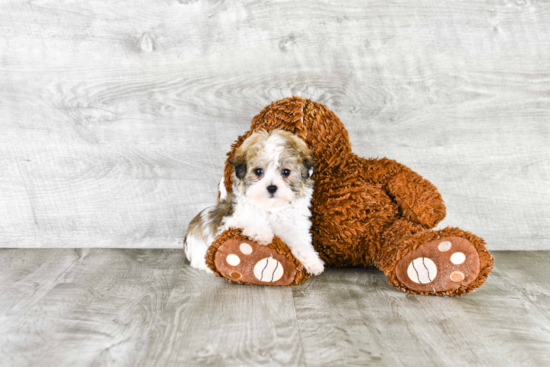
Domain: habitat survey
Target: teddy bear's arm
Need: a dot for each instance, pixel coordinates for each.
(419, 200)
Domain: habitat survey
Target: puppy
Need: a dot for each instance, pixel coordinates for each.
(272, 189)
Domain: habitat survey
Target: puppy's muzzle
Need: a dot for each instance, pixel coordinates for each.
(271, 189)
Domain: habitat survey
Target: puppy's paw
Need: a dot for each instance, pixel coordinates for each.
(201, 265)
(263, 237)
(314, 266)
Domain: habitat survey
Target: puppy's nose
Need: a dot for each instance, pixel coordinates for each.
(272, 189)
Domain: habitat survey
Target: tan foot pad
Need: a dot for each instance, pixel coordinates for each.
(440, 265)
(249, 263)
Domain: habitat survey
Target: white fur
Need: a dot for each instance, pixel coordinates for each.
(262, 215)
(223, 191)
(195, 250)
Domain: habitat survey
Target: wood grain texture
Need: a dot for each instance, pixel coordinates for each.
(116, 116)
(66, 307)
(356, 318)
(209, 322)
(89, 307)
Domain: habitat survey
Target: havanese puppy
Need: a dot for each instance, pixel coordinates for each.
(272, 189)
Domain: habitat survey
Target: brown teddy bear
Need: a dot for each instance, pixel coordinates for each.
(364, 211)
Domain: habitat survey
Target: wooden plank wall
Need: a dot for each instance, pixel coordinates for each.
(116, 116)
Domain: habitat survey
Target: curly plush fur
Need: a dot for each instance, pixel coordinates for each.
(364, 211)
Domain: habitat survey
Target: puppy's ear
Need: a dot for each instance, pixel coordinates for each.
(238, 161)
(308, 162)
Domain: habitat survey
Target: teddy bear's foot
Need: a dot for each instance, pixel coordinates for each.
(251, 263)
(444, 264)
(240, 260)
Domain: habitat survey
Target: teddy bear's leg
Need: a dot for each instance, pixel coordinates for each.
(446, 262)
(240, 260)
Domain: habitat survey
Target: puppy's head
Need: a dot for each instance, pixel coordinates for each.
(272, 169)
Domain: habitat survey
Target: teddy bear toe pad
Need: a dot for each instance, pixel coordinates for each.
(247, 262)
(440, 265)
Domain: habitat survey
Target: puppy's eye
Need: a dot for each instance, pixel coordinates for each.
(285, 172)
(258, 172)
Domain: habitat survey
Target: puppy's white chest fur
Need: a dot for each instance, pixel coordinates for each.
(262, 224)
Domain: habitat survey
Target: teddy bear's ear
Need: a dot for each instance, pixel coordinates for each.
(308, 163)
(239, 164)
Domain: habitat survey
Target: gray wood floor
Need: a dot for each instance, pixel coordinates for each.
(96, 307)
